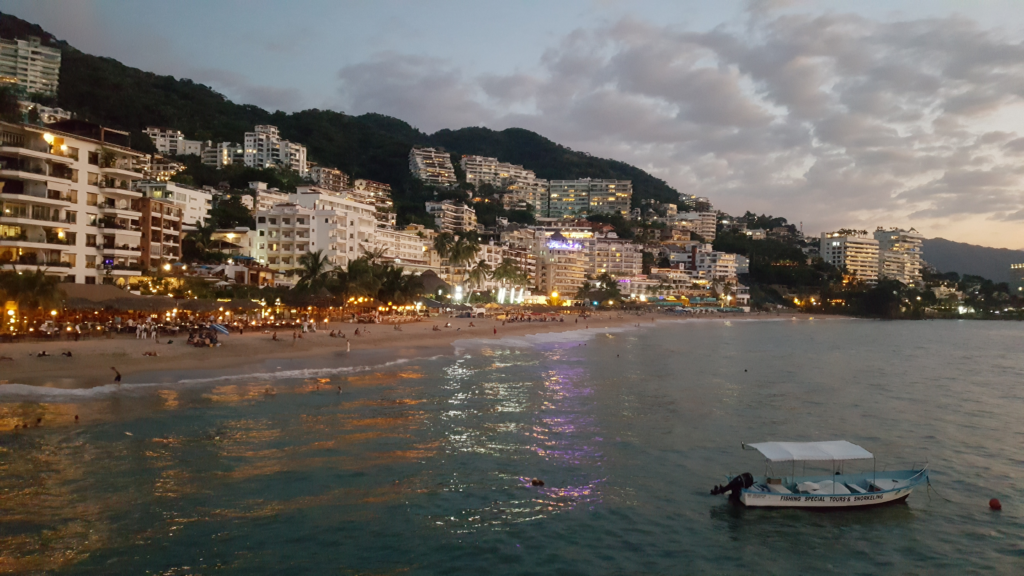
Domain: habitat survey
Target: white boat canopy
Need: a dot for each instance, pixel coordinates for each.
(835, 451)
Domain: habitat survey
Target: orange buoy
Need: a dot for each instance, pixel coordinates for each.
(994, 504)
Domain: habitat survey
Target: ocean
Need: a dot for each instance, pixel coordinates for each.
(424, 466)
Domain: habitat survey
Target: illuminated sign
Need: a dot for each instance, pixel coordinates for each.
(559, 245)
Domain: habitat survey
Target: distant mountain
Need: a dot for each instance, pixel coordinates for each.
(991, 263)
(371, 146)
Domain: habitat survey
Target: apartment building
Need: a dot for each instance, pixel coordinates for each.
(613, 255)
(67, 204)
(483, 170)
(1017, 279)
(173, 142)
(35, 67)
(705, 224)
(238, 241)
(329, 178)
(47, 114)
(266, 198)
(379, 195)
(900, 255)
(432, 166)
(222, 154)
(405, 249)
(452, 217)
(692, 203)
(526, 194)
(159, 169)
(577, 198)
(347, 228)
(264, 148)
(194, 203)
(161, 232)
(853, 251)
(561, 266)
(284, 233)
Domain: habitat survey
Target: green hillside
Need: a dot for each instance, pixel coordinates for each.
(370, 146)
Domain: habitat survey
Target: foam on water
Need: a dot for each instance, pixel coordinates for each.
(28, 392)
(545, 338)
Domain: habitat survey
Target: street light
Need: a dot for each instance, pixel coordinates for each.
(167, 267)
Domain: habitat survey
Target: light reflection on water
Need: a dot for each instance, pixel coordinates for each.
(427, 466)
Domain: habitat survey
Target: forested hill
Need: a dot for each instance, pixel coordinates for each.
(369, 146)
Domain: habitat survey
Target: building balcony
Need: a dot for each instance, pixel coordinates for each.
(123, 170)
(52, 198)
(20, 151)
(35, 244)
(123, 250)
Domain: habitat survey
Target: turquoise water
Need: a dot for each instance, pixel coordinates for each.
(424, 466)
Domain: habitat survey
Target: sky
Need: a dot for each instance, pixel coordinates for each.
(831, 114)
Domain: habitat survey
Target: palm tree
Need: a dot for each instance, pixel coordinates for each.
(314, 269)
(31, 290)
(443, 244)
(479, 273)
(584, 291)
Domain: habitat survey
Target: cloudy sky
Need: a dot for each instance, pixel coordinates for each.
(833, 114)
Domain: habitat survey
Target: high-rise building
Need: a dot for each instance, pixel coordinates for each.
(195, 204)
(173, 142)
(264, 148)
(577, 198)
(329, 178)
(703, 223)
(432, 166)
(1017, 280)
(900, 255)
(561, 266)
(852, 251)
(379, 195)
(35, 67)
(161, 232)
(67, 203)
(484, 170)
(616, 256)
(452, 216)
(222, 154)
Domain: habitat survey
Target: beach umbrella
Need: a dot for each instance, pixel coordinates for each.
(220, 328)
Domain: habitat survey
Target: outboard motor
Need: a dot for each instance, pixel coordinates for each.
(745, 480)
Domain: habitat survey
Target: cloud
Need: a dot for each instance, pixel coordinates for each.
(831, 119)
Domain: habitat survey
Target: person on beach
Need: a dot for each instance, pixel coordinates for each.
(68, 354)
(2, 358)
(117, 375)
(274, 337)
(348, 345)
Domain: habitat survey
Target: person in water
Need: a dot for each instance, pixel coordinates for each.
(117, 377)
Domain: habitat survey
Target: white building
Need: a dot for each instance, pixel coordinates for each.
(347, 228)
(35, 67)
(849, 249)
(173, 142)
(264, 148)
(577, 198)
(67, 204)
(453, 217)
(484, 170)
(900, 255)
(195, 204)
(405, 249)
(432, 166)
(222, 154)
(613, 255)
(235, 241)
(523, 193)
(47, 114)
(267, 198)
(703, 223)
(330, 178)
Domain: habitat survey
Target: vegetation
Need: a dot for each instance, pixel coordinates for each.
(31, 290)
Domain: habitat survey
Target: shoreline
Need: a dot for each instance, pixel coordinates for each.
(92, 359)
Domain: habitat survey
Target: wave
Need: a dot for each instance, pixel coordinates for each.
(47, 393)
(544, 338)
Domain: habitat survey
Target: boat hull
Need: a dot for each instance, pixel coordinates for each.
(820, 501)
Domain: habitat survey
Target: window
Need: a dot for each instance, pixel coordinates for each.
(92, 179)
(261, 220)
(92, 199)
(90, 261)
(94, 158)
(286, 220)
(90, 279)
(325, 221)
(263, 233)
(261, 246)
(273, 221)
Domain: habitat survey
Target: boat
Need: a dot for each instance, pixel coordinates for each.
(826, 490)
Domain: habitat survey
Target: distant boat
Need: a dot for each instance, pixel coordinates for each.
(834, 490)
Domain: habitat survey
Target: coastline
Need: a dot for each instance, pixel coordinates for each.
(90, 365)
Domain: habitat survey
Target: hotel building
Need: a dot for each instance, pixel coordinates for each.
(484, 170)
(900, 255)
(195, 204)
(264, 148)
(452, 217)
(34, 66)
(577, 198)
(329, 178)
(852, 251)
(173, 142)
(432, 166)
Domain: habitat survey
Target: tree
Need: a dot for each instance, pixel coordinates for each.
(583, 293)
(10, 110)
(231, 213)
(479, 273)
(313, 271)
(31, 290)
(508, 272)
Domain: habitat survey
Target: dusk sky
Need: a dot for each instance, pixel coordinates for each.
(892, 113)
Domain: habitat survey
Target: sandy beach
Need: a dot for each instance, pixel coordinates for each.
(91, 361)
